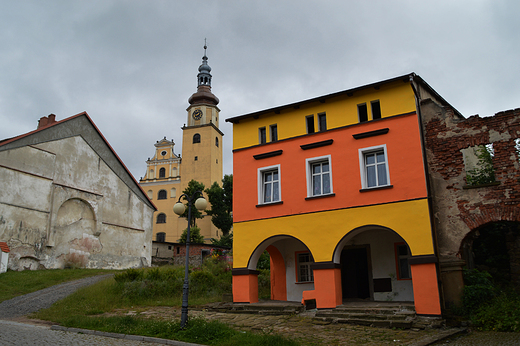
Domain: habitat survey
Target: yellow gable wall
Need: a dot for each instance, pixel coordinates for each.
(321, 232)
(395, 98)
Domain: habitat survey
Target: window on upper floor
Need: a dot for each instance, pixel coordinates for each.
(150, 194)
(373, 163)
(402, 254)
(162, 172)
(160, 237)
(322, 122)
(216, 142)
(196, 138)
(309, 119)
(362, 112)
(162, 194)
(262, 139)
(304, 261)
(273, 132)
(319, 176)
(376, 109)
(269, 184)
(173, 192)
(161, 218)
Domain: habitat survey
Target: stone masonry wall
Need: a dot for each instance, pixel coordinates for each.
(459, 208)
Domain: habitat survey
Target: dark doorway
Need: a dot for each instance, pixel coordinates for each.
(355, 273)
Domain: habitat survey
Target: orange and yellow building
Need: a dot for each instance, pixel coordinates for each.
(335, 189)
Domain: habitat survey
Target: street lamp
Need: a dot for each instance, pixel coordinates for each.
(179, 209)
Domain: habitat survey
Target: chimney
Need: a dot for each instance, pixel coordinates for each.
(45, 121)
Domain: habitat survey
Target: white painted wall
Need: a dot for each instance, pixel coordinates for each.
(64, 202)
(383, 263)
(288, 249)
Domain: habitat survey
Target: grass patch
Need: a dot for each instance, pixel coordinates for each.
(198, 330)
(139, 288)
(13, 283)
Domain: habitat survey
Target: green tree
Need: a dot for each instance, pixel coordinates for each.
(221, 200)
(195, 236)
(192, 187)
(484, 173)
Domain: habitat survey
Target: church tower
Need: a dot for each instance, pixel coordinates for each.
(168, 174)
(202, 138)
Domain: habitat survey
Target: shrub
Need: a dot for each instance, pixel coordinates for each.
(500, 315)
(478, 289)
(129, 275)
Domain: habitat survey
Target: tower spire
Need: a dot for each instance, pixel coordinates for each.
(204, 94)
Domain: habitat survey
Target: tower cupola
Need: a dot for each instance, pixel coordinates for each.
(204, 94)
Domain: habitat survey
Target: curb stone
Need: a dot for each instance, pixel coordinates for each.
(124, 336)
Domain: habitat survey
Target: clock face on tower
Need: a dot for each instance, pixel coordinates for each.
(197, 114)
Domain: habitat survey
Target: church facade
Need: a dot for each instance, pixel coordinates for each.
(168, 174)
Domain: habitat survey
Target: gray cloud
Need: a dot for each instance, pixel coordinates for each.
(132, 65)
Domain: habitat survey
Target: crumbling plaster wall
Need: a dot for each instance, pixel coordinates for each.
(458, 208)
(63, 205)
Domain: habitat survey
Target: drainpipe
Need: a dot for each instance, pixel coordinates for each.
(428, 183)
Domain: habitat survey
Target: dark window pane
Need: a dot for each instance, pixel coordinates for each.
(362, 112)
(376, 110)
(310, 124)
(274, 133)
(322, 120)
(261, 133)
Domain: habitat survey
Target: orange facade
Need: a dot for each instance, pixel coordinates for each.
(405, 166)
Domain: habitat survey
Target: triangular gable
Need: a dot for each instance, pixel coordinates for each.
(80, 125)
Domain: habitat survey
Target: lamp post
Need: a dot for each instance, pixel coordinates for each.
(179, 209)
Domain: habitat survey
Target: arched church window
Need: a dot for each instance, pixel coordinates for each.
(216, 141)
(196, 138)
(161, 218)
(162, 172)
(161, 194)
(161, 237)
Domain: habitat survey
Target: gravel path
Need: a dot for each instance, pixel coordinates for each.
(32, 302)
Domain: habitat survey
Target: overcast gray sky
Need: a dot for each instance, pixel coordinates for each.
(132, 65)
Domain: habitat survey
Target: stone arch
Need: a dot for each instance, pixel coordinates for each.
(283, 250)
(76, 233)
(374, 264)
(495, 248)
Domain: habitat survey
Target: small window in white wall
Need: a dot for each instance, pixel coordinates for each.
(303, 265)
(373, 163)
(319, 176)
(269, 184)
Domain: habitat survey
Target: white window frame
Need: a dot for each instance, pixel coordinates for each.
(308, 163)
(362, 167)
(260, 179)
(304, 266)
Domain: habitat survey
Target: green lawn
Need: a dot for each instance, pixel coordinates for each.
(13, 284)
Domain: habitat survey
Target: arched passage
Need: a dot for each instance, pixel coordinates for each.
(495, 248)
(374, 265)
(286, 281)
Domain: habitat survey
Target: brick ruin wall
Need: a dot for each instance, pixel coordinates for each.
(458, 208)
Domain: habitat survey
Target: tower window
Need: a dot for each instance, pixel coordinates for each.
(261, 135)
(376, 109)
(216, 142)
(196, 158)
(161, 194)
(310, 123)
(362, 112)
(196, 138)
(162, 172)
(161, 237)
(161, 218)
